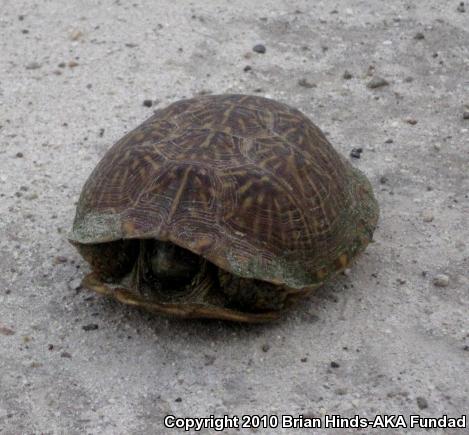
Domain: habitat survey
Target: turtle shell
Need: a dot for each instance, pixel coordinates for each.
(248, 183)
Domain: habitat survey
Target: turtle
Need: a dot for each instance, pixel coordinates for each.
(221, 206)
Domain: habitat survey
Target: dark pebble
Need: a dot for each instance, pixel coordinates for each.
(304, 359)
(422, 402)
(19, 155)
(377, 82)
(50, 347)
(247, 68)
(383, 179)
(409, 79)
(265, 347)
(178, 399)
(347, 75)
(147, 103)
(411, 121)
(465, 115)
(466, 348)
(335, 365)
(101, 132)
(25, 31)
(356, 153)
(389, 140)
(306, 84)
(90, 327)
(259, 48)
(419, 35)
(65, 355)
(461, 7)
(62, 65)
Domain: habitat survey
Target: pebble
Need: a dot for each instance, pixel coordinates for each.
(347, 75)
(33, 65)
(335, 365)
(419, 35)
(19, 155)
(65, 355)
(247, 68)
(265, 347)
(441, 280)
(465, 114)
(60, 259)
(304, 359)
(389, 140)
(147, 103)
(306, 84)
(356, 153)
(411, 121)
(178, 399)
(427, 216)
(422, 402)
(377, 82)
(72, 64)
(259, 48)
(75, 284)
(409, 79)
(6, 331)
(461, 7)
(75, 35)
(341, 391)
(90, 327)
(383, 179)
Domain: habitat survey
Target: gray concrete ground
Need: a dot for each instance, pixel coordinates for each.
(73, 77)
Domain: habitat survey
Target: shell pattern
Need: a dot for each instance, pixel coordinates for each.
(249, 183)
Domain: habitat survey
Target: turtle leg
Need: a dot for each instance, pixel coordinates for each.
(137, 276)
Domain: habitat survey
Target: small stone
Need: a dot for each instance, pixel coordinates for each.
(75, 35)
(377, 82)
(19, 155)
(347, 75)
(72, 64)
(147, 103)
(130, 45)
(62, 65)
(259, 48)
(461, 7)
(401, 281)
(65, 355)
(419, 36)
(50, 347)
(178, 399)
(306, 84)
(437, 147)
(25, 31)
(356, 153)
(265, 347)
(441, 280)
(427, 216)
(60, 259)
(304, 359)
(335, 365)
(6, 331)
(422, 402)
(33, 65)
(341, 391)
(75, 284)
(389, 140)
(247, 68)
(411, 121)
(465, 114)
(409, 79)
(90, 327)
(383, 179)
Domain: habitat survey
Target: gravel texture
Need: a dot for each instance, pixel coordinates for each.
(381, 339)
